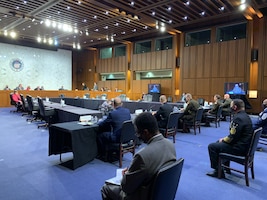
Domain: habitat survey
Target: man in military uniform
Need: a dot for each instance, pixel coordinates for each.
(238, 140)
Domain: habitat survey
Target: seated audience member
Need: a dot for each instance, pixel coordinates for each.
(189, 112)
(6, 88)
(226, 106)
(214, 110)
(110, 128)
(262, 120)
(84, 86)
(20, 87)
(162, 115)
(238, 140)
(138, 179)
(17, 99)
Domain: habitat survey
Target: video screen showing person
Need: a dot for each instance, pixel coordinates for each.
(154, 88)
(236, 88)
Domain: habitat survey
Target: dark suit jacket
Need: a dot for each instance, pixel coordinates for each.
(162, 114)
(136, 183)
(114, 121)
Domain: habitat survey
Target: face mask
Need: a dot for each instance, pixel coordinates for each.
(233, 109)
(264, 106)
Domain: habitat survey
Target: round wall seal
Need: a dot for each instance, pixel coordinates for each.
(16, 65)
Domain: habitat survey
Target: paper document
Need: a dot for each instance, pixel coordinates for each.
(117, 179)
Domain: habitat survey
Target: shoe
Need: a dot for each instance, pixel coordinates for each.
(227, 171)
(215, 174)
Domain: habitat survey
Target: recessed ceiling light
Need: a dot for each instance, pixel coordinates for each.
(153, 13)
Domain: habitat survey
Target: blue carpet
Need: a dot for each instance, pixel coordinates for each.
(27, 172)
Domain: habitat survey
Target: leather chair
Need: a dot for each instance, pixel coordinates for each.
(24, 106)
(171, 127)
(247, 161)
(46, 113)
(166, 181)
(201, 101)
(127, 141)
(215, 118)
(196, 123)
(33, 109)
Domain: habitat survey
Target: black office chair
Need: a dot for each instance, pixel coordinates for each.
(196, 123)
(215, 118)
(46, 113)
(171, 127)
(166, 181)
(247, 161)
(24, 106)
(33, 109)
(201, 101)
(127, 141)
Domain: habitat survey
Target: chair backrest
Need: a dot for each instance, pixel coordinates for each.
(167, 181)
(30, 102)
(173, 120)
(127, 132)
(219, 112)
(201, 101)
(254, 142)
(24, 106)
(41, 106)
(199, 114)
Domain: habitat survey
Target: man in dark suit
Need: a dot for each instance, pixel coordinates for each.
(162, 115)
(138, 178)
(110, 128)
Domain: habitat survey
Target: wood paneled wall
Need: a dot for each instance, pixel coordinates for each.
(203, 68)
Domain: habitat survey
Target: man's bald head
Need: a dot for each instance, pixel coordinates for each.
(117, 102)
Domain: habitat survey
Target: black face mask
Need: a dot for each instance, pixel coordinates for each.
(264, 106)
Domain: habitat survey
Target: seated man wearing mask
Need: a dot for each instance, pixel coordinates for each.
(138, 178)
(238, 140)
(261, 121)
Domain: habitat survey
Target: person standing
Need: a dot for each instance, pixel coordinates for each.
(137, 180)
(162, 115)
(95, 87)
(84, 86)
(238, 140)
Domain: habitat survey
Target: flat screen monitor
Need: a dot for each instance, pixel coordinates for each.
(154, 88)
(237, 88)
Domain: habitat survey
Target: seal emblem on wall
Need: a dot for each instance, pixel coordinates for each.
(16, 65)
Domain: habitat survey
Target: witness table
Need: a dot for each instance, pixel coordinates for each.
(69, 113)
(75, 138)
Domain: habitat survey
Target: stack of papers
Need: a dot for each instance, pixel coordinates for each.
(117, 179)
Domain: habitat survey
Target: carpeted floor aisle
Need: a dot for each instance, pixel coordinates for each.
(28, 173)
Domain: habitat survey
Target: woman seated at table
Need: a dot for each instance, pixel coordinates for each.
(214, 109)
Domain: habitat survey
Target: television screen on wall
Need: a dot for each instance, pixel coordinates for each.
(237, 88)
(154, 88)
